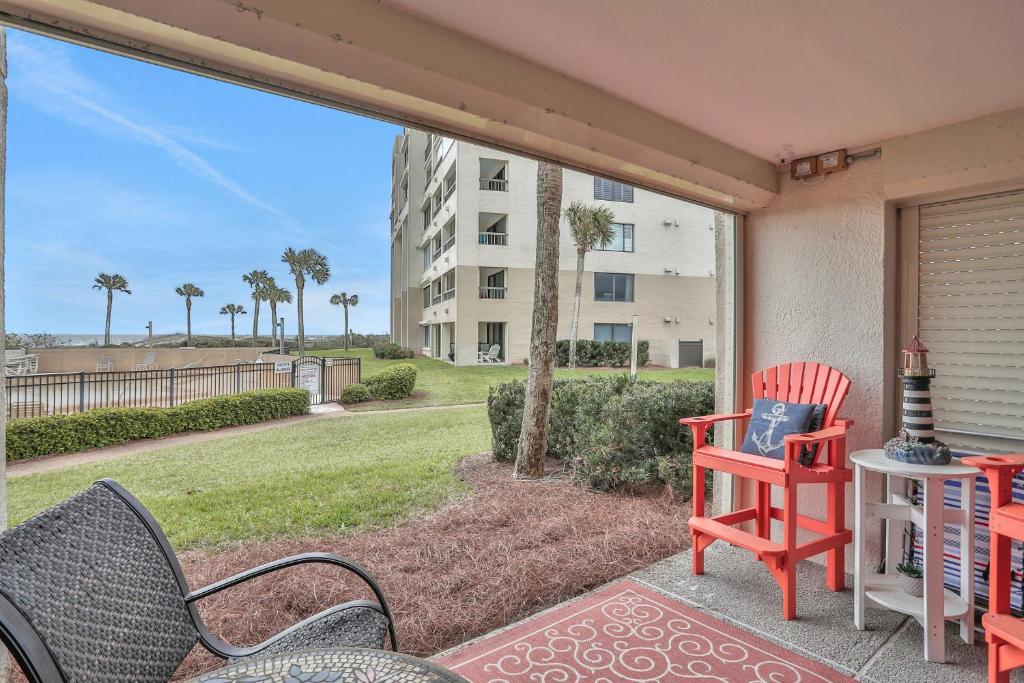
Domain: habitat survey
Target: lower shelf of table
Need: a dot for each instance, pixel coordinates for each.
(885, 590)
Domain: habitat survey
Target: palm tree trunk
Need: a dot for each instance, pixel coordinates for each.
(255, 322)
(273, 322)
(232, 329)
(302, 327)
(533, 436)
(346, 328)
(188, 322)
(110, 306)
(574, 331)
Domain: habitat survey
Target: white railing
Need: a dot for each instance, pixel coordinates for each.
(494, 184)
(449, 191)
(450, 294)
(498, 238)
(492, 292)
(436, 299)
(449, 243)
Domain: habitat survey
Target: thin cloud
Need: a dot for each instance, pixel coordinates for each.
(60, 88)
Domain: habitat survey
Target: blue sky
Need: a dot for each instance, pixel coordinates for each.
(119, 166)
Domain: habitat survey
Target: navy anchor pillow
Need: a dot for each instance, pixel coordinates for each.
(770, 421)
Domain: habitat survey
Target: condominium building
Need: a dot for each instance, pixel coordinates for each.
(464, 229)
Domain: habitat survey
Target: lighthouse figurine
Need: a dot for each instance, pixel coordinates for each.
(917, 444)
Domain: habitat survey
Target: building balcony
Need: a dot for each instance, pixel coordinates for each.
(494, 238)
(449, 294)
(493, 292)
(494, 184)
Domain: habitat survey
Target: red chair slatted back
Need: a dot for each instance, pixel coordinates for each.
(804, 383)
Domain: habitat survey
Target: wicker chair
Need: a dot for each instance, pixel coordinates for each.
(90, 590)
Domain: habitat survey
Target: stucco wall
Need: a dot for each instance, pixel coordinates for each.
(816, 288)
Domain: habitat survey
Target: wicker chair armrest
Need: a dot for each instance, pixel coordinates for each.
(292, 561)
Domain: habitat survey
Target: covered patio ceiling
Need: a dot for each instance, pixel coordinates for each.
(700, 100)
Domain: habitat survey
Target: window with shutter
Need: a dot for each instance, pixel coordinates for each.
(612, 191)
(970, 311)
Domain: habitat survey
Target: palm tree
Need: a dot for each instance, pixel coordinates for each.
(111, 283)
(533, 434)
(346, 301)
(232, 310)
(258, 280)
(302, 263)
(276, 295)
(590, 227)
(188, 290)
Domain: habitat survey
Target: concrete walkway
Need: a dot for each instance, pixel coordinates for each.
(50, 463)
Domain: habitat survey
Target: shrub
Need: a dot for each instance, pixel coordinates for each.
(355, 393)
(397, 381)
(610, 431)
(590, 354)
(709, 361)
(29, 437)
(388, 351)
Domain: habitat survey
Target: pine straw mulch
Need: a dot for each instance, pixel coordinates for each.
(506, 551)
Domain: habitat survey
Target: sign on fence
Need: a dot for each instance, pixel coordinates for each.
(282, 367)
(308, 378)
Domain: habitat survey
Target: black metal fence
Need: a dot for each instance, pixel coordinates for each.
(75, 392)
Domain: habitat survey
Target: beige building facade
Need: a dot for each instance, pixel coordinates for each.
(464, 227)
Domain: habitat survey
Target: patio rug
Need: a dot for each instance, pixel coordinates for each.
(627, 632)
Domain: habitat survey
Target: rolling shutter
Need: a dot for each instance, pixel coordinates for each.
(971, 316)
(612, 191)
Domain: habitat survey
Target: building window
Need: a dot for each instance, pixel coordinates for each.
(426, 297)
(449, 285)
(618, 332)
(612, 191)
(426, 336)
(613, 287)
(622, 239)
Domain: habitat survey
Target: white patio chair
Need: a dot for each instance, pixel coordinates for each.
(148, 362)
(106, 364)
(31, 363)
(492, 354)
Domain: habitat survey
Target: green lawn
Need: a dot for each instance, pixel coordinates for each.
(334, 474)
(441, 384)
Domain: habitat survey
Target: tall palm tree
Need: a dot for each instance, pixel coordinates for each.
(590, 226)
(232, 310)
(302, 263)
(111, 283)
(533, 434)
(258, 280)
(276, 295)
(342, 299)
(189, 290)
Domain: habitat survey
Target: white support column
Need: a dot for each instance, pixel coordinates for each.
(967, 558)
(894, 528)
(934, 620)
(859, 568)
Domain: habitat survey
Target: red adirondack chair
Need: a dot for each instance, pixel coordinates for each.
(1004, 632)
(794, 383)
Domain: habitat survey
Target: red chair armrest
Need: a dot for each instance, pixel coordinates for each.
(833, 432)
(711, 419)
(844, 422)
(998, 463)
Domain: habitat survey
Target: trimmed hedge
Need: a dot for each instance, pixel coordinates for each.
(34, 436)
(395, 382)
(355, 393)
(591, 354)
(610, 431)
(390, 351)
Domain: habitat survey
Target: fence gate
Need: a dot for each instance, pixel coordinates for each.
(326, 378)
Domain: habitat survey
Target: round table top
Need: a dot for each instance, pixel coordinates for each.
(335, 665)
(874, 459)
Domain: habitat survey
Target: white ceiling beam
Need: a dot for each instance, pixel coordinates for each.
(374, 58)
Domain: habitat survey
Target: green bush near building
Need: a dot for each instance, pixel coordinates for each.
(355, 393)
(34, 436)
(594, 354)
(389, 351)
(610, 431)
(393, 383)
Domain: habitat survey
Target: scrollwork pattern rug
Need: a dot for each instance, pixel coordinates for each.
(627, 632)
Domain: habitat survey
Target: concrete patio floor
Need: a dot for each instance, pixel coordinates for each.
(739, 590)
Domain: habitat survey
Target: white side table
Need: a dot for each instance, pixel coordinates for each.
(938, 604)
